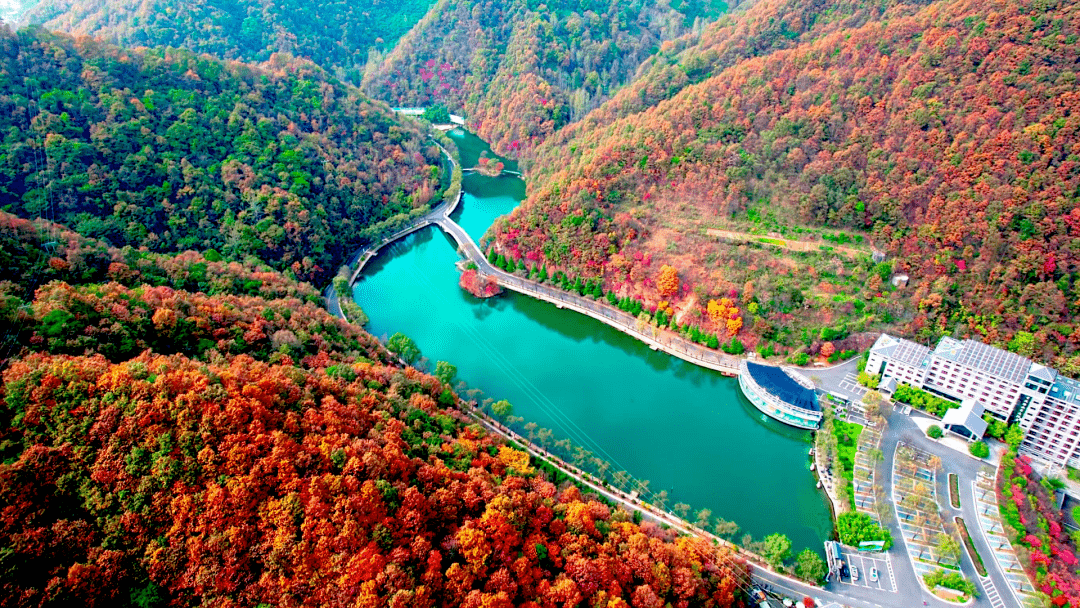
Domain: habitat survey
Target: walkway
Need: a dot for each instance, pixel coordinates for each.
(501, 173)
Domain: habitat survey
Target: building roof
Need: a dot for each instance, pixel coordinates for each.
(782, 386)
(888, 385)
(968, 415)
(983, 357)
(885, 345)
(900, 350)
(1042, 372)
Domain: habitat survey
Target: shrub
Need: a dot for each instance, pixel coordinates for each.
(922, 400)
(855, 528)
(979, 449)
(949, 580)
(934, 432)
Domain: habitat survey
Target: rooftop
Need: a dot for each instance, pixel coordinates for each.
(901, 350)
(782, 386)
(1066, 389)
(968, 415)
(983, 357)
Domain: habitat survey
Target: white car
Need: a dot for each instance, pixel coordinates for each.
(873, 575)
(854, 573)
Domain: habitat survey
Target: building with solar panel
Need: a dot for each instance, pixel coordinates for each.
(1010, 388)
(781, 393)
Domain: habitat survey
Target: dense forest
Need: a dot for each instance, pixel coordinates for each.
(521, 69)
(336, 35)
(171, 150)
(943, 136)
(178, 429)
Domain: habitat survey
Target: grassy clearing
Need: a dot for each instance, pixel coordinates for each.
(954, 490)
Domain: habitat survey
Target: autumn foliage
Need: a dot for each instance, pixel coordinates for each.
(945, 134)
(1047, 550)
(168, 447)
(667, 283)
(481, 287)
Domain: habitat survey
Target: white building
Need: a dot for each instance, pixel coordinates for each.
(1052, 424)
(898, 358)
(1009, 387)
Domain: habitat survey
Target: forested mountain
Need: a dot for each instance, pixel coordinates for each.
(946, 135)
(171, 150)
(337, 35)
(764, 27)
(241, 446)
(521, 69)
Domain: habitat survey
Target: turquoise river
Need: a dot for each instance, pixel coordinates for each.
(686, 429)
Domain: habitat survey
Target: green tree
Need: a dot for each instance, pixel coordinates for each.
(777, 548)
(855, 528)
(934, 432)
(869, 380)
(404, 347)
(437, 114)
(979, 449)
(1014, 436)
(810, 566)
(502, 408)
(725, 529)
(703, 517)
(948, 547)
(445, 372)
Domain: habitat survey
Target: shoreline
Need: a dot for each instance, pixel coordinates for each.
(656, 338)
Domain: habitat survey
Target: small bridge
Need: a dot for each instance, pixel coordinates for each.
(454, 118)
(503, 172)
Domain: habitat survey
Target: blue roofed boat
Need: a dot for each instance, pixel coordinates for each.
(781, 393)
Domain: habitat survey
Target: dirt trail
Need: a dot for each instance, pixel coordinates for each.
(786, 243)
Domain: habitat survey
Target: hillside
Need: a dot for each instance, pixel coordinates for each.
(240, 446)
(333, 34)
(946, 137)
(520, 69)
(171, 150)
(762, 28)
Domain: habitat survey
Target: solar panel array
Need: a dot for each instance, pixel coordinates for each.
(994, 361)
(782, 386)
(910, 353)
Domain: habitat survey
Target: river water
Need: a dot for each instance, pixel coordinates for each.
(686, 429)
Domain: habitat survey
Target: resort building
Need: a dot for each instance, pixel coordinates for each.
(1009, 387)
(781, 393)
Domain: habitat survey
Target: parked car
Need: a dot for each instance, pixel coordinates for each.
(873, 575)
(854, 573)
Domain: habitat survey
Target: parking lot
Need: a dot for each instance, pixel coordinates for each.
(863, 562)
(850, 385)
